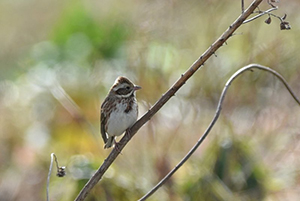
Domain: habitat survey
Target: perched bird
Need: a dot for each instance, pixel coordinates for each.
(119, 110)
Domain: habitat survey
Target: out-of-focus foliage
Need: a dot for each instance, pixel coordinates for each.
(79, 35)
(53, 52)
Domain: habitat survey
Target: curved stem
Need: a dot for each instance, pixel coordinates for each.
(218, 111)
(49, 174)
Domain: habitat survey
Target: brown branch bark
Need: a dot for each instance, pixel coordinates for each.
(171, 92)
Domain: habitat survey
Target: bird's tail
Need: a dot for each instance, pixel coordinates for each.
(109, 142)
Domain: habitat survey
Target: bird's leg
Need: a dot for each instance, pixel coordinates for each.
(117, 144)
(128, 133)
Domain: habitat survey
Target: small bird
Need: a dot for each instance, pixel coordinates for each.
(119, 110)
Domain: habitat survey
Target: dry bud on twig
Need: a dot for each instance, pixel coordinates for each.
(268, 21)
(60, 172)
(285, 25)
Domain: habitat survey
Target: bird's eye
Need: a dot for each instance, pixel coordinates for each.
(127, 87)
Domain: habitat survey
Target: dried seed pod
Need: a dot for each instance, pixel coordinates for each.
(61, 172)
(285, 25)
(268, 21)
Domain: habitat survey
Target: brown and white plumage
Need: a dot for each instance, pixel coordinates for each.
(119, 110)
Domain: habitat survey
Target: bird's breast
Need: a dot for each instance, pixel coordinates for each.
(122, 117)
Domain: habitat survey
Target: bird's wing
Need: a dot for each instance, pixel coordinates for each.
(103, 120)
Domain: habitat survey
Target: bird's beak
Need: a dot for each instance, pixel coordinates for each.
(136, 87)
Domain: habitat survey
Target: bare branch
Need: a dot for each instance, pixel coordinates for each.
(243, 6)
(214, 120)
(284, 25)
(261, 13)
(60, 172)
(170, 93)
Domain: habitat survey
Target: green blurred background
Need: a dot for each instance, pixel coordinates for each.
(55, 51)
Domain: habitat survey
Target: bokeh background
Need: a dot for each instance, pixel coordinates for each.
(59, 58)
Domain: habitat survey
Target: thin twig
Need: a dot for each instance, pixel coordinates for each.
(243, 6)
(218, 111)
(261, 13)
(49, 173)
(60, 172)
(165, 98)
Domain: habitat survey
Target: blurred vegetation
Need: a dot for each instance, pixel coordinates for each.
(54, 49)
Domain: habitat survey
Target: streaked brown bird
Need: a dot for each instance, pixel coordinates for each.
(119, 110)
